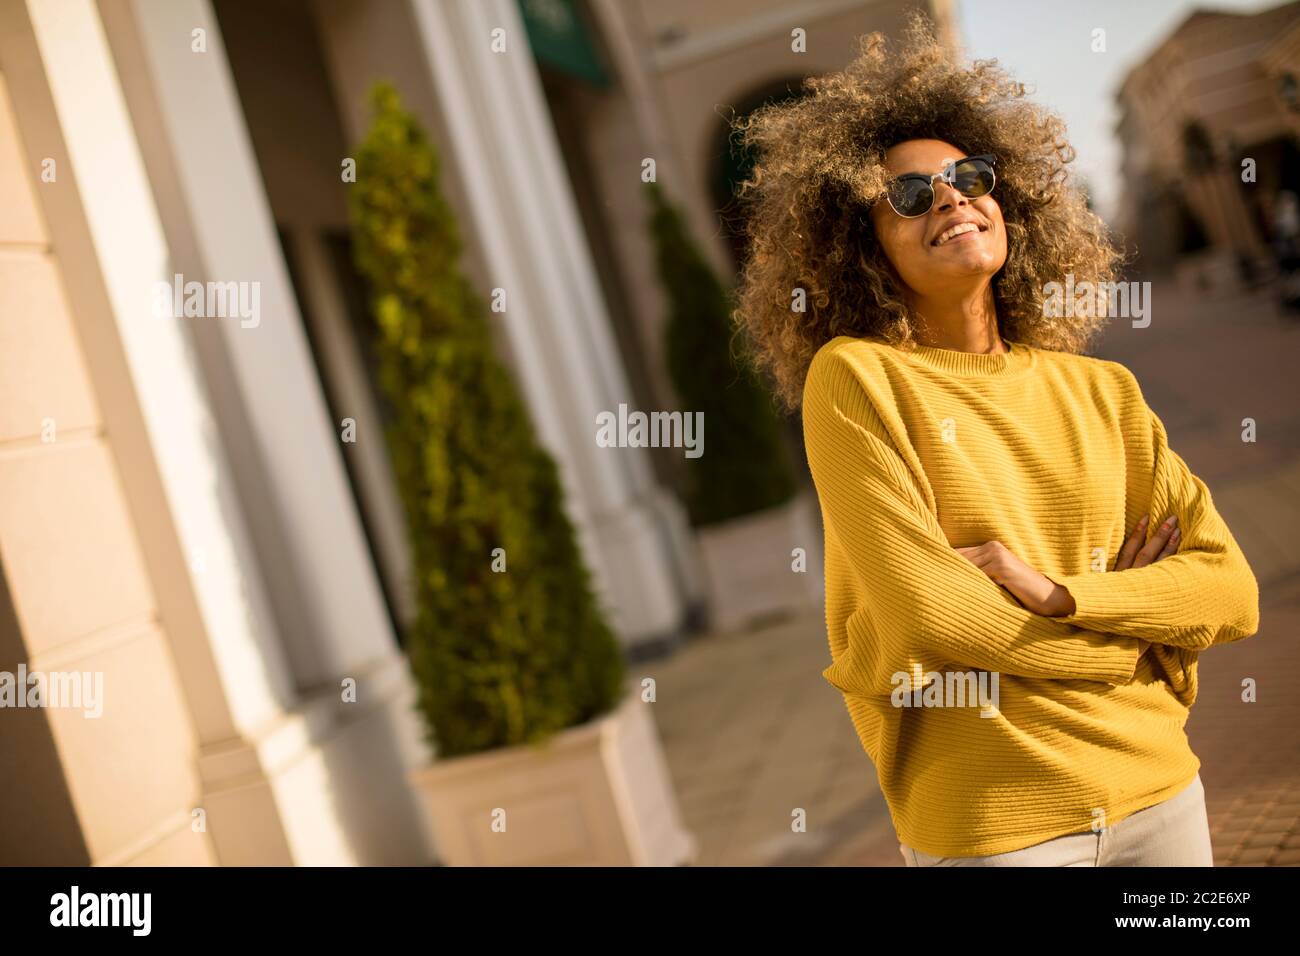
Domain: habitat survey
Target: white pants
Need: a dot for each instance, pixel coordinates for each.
(1174, 832)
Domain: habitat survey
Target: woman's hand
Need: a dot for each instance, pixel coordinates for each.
(1136, 554)
(1162, 544)
(1033, 589)
(1039, 593)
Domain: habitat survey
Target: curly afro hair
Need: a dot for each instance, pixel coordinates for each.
(820, 164)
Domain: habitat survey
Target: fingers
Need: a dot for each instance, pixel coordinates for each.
(977, 555)
(991, 557)
(1131, 546)
(1155, 548)
(1171, 546)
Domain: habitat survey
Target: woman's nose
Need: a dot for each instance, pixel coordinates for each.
(946, 196)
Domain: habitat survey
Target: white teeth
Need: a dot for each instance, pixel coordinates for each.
(956, 230)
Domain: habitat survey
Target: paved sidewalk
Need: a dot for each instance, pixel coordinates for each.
(753, 734)
(756, 739)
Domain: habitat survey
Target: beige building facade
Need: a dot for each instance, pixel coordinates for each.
(1217, 97)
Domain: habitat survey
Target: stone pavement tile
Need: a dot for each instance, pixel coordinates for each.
(1203, 376)
(768, 740)
(1250, 752)
(1273, 831)
(724, 796)
(1257, 856)
(1263, 515)
(868, 838)
(1284, 857)
(1267, 561)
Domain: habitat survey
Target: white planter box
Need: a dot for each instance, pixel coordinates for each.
(595, 795)
(749, 563)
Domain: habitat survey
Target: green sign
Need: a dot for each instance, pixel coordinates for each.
(559, 37)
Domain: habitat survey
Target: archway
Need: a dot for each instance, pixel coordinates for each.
(731, 162)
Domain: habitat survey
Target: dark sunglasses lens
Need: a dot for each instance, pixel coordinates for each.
(911, 197)
(973, 178)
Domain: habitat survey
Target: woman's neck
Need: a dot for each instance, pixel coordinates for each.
(962, 322)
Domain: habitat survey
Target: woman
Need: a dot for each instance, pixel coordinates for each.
(985, 487)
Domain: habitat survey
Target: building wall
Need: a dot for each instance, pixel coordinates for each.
(1216, 70)
(277, 63)
(76, 595)
(134, 555)
(711, 57)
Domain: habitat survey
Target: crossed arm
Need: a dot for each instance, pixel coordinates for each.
(926, 603)
(1202, 592)
(1042, 595)
(927, 599)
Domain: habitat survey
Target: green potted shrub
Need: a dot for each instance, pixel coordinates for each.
(544, 752)
(759, 539)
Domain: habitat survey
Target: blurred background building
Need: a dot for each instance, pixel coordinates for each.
(1220, 89)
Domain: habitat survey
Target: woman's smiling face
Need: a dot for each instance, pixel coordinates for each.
(929, 265)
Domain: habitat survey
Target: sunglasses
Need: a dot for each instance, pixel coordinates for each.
(912, 194)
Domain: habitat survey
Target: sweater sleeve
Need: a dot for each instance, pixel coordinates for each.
(1203, 594)
(924, 603)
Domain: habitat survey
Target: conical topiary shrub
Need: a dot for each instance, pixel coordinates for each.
(745, 467)
(501, 657)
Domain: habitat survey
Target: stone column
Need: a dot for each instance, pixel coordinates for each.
(237, 485)
(524, 218)
(267, 391)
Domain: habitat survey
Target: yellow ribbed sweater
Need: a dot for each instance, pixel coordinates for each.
(916, 452)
